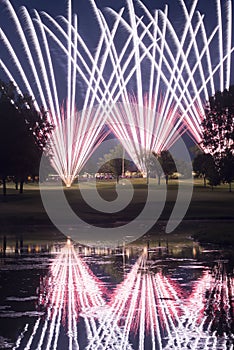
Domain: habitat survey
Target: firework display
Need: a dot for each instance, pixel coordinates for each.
(147, 81)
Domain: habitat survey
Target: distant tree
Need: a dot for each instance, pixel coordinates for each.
(23, 135)
(184, 168)
(8, 136)
(227, 169)
(203, 165)
(214, 177)
(113, 162)
(195, 150)
(153, 166)
(165, 164)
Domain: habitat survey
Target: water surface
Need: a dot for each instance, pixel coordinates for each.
(176, 296)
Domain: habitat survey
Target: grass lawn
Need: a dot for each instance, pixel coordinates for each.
(210, 216)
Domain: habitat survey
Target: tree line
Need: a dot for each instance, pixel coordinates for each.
(156, 165)
(214, 157)
(25, 131)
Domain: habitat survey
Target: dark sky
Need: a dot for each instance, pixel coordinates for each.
(86, 17)
(87, 23)
(83, 7)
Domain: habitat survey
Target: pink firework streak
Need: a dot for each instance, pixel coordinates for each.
(143, 130)
(147, 306)
(179, 62)
(69, 289)
(34, 70)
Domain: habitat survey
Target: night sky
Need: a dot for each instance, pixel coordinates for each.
(85, 14)
(87, 24)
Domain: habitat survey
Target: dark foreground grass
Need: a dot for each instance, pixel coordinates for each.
(210, 217)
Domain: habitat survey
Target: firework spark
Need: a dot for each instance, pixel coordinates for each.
(76, 134)
(159, 83)
(180, 64)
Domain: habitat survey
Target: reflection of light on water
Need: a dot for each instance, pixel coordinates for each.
(208, 318)
(147, 309)
(143, 304)
(70, 288)
(150, 307)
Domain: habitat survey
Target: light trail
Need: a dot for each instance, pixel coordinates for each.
(70, 287)
(147, 109)
(212, 291)
(135, 122)
(146, 308)
(186, 63)
(198, 74)
(76, 134)
(150, 306)
(139, 296)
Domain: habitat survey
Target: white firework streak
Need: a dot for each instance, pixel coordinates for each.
(76, 134)
(149, 121)
(152, 119)
(145, 305)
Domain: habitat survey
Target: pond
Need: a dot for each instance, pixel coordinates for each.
(165, 296)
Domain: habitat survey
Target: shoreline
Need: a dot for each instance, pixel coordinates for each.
(205, 230)
(209, 218)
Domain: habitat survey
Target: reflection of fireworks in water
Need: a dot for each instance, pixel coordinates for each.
(214, 298)
(142, 304)
(70, 288)
(150, 310)
(147, 309)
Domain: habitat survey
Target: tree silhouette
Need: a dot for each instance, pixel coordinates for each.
(113, 162)
(165, 164)
(203, 165)
(218, 123)
(227, 169)
(218, 132)
(24, 134)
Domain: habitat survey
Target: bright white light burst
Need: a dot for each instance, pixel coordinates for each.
(148, 80)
